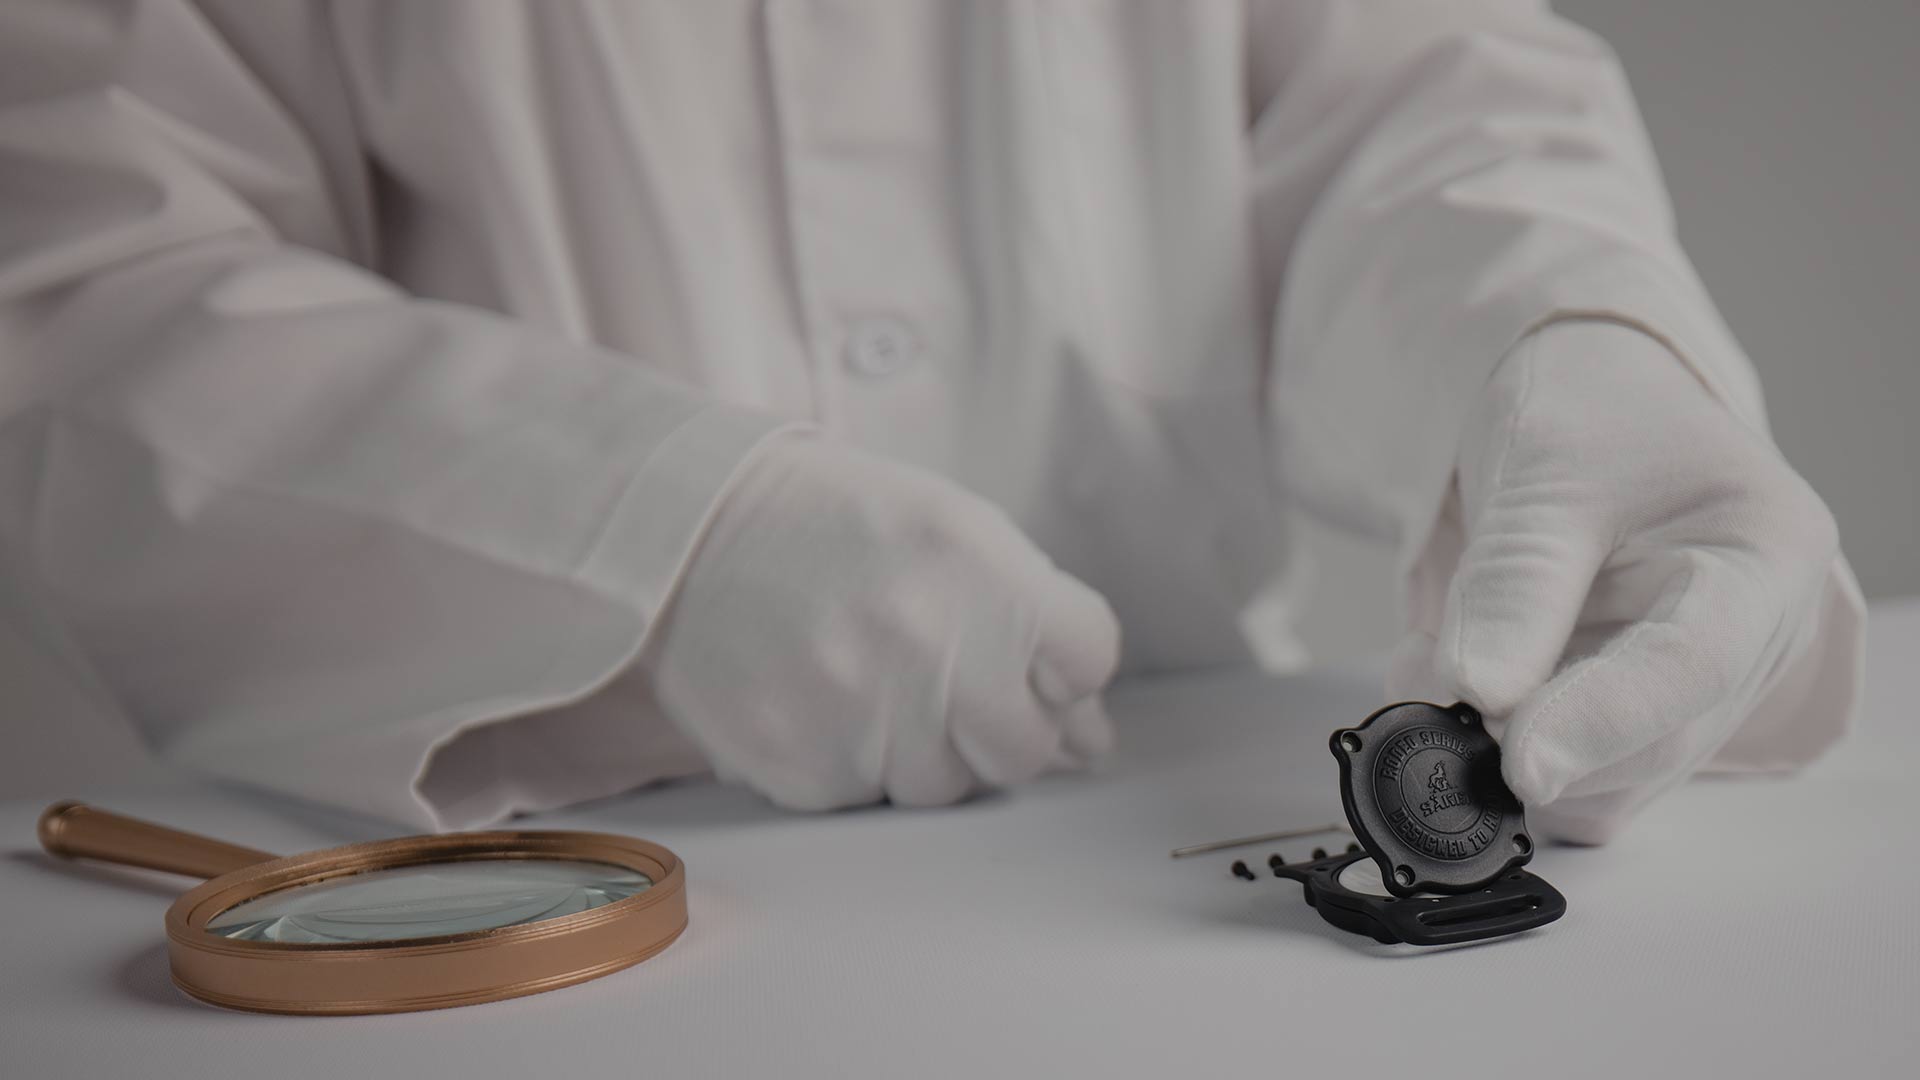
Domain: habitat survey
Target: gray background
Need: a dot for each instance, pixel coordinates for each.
(1789, 137)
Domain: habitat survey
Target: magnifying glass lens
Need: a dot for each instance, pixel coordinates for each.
(419, 922)
(428, 900)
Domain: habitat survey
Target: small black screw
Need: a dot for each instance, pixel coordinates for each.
(1240, 870)
(1275, 862)
(1319, 853)
(1352, 848)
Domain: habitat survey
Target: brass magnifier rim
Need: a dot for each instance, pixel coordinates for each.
(345, 978)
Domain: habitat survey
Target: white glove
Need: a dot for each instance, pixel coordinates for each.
(1635, 570)
(852, 629)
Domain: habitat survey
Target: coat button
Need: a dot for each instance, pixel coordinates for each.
(881, 346)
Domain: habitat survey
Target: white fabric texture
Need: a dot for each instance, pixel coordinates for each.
(1637, 574)
(371, 370)
(853, 629)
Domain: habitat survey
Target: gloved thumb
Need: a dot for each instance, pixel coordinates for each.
(1514, 601)
(1075, 653)
(1086, 733)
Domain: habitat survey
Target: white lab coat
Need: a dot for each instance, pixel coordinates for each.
(367, 370)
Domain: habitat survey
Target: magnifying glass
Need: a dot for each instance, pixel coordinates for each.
(422, 922)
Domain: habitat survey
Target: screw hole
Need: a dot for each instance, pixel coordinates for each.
(1521, 844)
(1349, 742)
(1403, 875)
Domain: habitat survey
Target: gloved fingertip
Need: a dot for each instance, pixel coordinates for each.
(1049, 684)
(1068, 760)
(1532, 782)
(1009, 749)
(1078, 646)
(1086, 730)
(924, 769)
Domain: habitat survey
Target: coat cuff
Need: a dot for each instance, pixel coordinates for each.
(605, 733)
(545, 735)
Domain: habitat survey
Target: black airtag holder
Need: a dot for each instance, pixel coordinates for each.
(1422, 790)
(1516, 901)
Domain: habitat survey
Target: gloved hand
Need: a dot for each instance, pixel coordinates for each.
(1630, 571)
(851, 629)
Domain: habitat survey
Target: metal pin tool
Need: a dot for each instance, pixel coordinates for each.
(1264, 838)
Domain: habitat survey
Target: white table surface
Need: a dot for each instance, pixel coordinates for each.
(1741, 929)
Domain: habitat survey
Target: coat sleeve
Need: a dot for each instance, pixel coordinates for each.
(1433, 182)
(306, 531)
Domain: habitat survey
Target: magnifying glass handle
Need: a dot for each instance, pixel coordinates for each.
(75, 830)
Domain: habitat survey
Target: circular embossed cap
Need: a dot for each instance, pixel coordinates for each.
(1423, 792)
